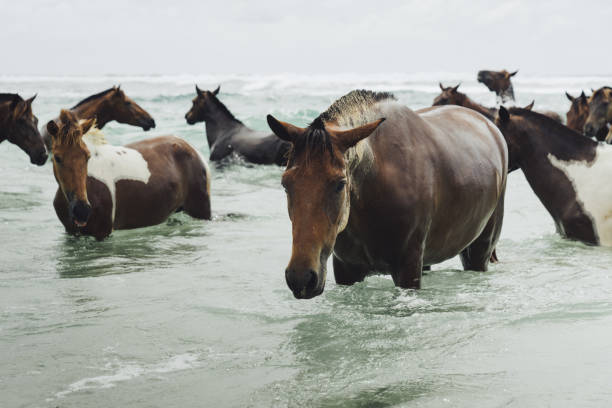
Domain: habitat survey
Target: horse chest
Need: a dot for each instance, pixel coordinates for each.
(109, 164)
(593, 192)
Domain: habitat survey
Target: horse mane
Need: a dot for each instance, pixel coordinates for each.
(351, 110)
(6, 97)
(223, 108)
(600, 92)
(553, 127)
(92, 97)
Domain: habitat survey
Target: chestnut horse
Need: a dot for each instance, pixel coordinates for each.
(600, 115)
(228, 136)
(19, 126)
(386, 189)
(104, 187)
(498, 82)
(578, 112)
(568, 173)
(106, 106)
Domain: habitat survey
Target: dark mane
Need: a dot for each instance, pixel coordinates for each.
(92, 97)
(223, 108)
(600, 92)
(5, 97)
(553, 127)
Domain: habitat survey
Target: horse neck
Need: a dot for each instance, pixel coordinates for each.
(3, 132)
(506, 95)
(488, 112)
(97, 108)
(218, 123)
(360, 165)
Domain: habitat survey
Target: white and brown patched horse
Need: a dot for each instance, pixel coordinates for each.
(104, 187)
(567, 171)
(382, 188)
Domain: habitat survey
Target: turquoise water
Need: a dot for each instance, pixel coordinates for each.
(192, 313)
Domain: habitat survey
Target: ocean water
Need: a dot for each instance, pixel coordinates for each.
(191, 313)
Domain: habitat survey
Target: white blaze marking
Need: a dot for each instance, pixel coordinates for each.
(590, 181)
(109, 164)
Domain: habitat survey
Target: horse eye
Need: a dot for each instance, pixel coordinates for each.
(57, 159)
(340, 186)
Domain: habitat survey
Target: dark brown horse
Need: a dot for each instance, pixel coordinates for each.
(568, 173)
(107, 106)
(578, 112)
(19, 126)
(227, 136)
(600, 115)
(104, 187)
(498, 82)
(386, 189)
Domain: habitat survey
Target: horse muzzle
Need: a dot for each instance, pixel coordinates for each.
(79, 212)
(39, 157)
(149, 124)
(189, 119)
(305, 283)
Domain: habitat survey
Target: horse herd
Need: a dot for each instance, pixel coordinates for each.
(371, 183)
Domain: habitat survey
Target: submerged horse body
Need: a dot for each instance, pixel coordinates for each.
(382, 188)
(19, 126)
(107, 106)
(104, 187)
(228, 136)
(566, 171)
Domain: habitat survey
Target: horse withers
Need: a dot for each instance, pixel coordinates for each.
(381, 188)
(600, 115)
(107, 106)
(19, 126)
(498, 82)
(568, 173)
(104, 187)
(227, 136)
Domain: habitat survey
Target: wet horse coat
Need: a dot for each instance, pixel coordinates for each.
(425, 186)
(227, 136)
(568, 173)
(139, 184)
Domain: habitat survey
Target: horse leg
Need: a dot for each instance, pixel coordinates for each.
(197, 203)
(346, 274)
(61, 209)
(408, 273)
(478, 254)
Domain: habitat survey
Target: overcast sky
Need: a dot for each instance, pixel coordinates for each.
(53, 37)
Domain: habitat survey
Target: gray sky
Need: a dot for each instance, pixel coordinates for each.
(53, 37)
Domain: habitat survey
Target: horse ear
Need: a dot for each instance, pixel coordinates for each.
(457, 87)
(441, 87)
(29, 101)
(349, 138)
(582, 95)
(504, 115)
(285, 131)
(530, 106)
(87, 124)
(198, 90)
(513, 73)
(52, 128)
(570, 97)
(20, 109)
(216, 91)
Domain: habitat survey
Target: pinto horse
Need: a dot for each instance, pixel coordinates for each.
(227, 135)
(600, 115)
(19, 126)
(386, 189)
(578, 112)
(568, 173)
(498, 82)
(107, 106)
(104, 187)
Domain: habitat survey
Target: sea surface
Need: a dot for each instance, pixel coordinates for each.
(197, 314)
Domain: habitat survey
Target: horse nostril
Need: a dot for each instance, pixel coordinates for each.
(312, 282)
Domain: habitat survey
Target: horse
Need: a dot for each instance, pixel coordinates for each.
(383, 188)
(104, 187)
(565, 170)
(450, 96)
(578, 112)
(107, 106)
(600, 115)
(498, 82)
(228, 136)
(19, 126)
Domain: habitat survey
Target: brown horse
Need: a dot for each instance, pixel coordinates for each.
(19, 126)
(390, 190)
(568, 173)
(578, 112)
(498, 82)
(227, 136)
(104, 187)
(600, 115)
(106, 106)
